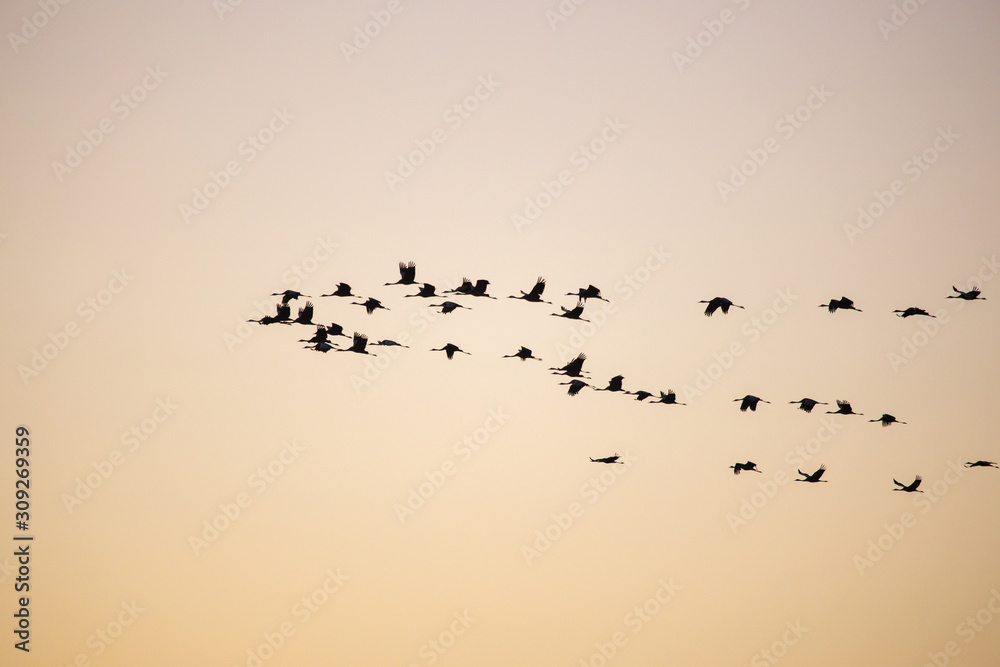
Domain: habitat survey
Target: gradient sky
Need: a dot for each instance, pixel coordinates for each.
(675, 152)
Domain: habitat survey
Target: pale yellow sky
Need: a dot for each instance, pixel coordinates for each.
(206, 492)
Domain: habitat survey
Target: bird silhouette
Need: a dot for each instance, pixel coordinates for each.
(448, 306)
(426, 290)
(283, 315)
(807, 404)
(588, 292)
(886, 419)
(305, 315)
(740, 467)
(450, 350)
(716, 303)
(575, 386)
(321, 346)
(343, 289)
(574, 368)
(535, 295)
(465, 288)
(670, 398)
(980, 464)
(640, 395)
(971, 295)
(371, 305)
(523, 354)
(334, 329)
(814, 477)
(390, 343)
(359, 343)
(843, 303)
(407, 274)
(614, 384)
(749, 402)
(572, 314)
(911, 487)
(910, 312)
(289, 295)
(321, 335)
(843, 408)
(609, 459)
(480, 289)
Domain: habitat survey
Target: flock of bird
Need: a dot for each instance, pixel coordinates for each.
(322, 341)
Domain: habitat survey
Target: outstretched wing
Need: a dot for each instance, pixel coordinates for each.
(539, 287)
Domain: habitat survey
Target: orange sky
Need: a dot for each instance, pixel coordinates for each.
(206, 492)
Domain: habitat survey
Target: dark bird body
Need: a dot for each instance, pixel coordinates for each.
(535, 295)
(448, 306)
(843, 303)
(371, 305)
(887, 419)
(574, 368)
(669, 398)
(909, 488)
(971, 295)
(572, 313)
(426, 291)
(343, 289)
(450, 350)
(407, 274)
(288, 295)
(522, 354)
(807, 404)
(814, 477)
(740, 467)
(575, 386)
(843, 408)
(749, 402)
(718, 303)
(910, 312)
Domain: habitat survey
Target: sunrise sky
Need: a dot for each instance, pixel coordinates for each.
(207, 492)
